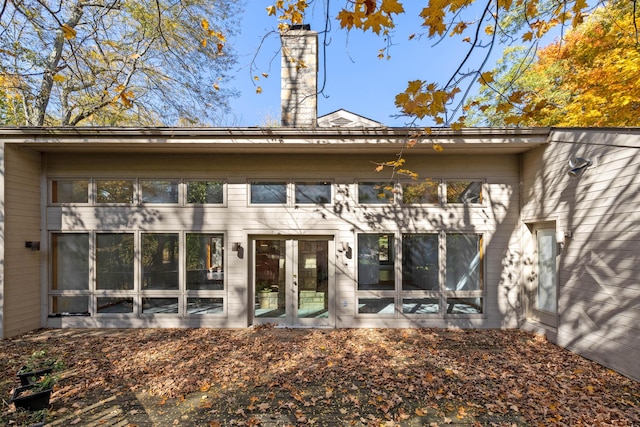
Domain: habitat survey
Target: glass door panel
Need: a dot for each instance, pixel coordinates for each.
(270, 289)
(313, 279)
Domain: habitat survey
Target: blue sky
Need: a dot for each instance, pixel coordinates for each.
(356, 79)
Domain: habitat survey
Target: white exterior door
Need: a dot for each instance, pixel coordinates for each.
(293, 281)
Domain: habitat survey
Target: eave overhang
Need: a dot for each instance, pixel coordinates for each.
(273, 140)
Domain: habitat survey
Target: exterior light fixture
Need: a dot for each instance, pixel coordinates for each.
(578, 166)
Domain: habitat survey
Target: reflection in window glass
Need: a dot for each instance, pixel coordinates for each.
(464, 192)
(159, 191)
(70, 261)
(114, 261)
(464, 262)
(269, 192)
(204, 306)
(159, 305)
(375, 262)
(425, 192)
(115, 305)
(64, 305)
(421, 305)
(420, 266)
(160, 261)
(114, 191)
(375, 305)
(464, 305)
(205, 262)
(70, 191)
(205, 192)
(375, 192)
(317, 193)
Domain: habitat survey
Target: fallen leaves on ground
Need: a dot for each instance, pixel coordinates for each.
(366, 377)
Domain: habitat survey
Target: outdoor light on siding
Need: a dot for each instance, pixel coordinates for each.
(34, 246)
(578, 166)
(236, 246)
(348, 252)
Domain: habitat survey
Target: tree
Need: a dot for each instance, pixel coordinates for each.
(480, 24)
(590, 78)
(108, 62)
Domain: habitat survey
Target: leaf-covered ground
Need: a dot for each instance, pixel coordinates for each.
(310, 377)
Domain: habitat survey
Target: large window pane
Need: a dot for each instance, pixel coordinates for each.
(205, 262)
(375, 262)
(70, 261)
(114, 191)
(160, 261)
(425, 192)
(313, 193)
(114, 261)
(205, 192)
(375, 192)
(464, 305)
(159, 191)
(70, 191)
(421, 305)
(464, 192)
(420, 265)
(464, 262)
(269, 192)
(546, 299)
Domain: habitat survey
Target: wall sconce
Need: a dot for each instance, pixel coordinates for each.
(237, 247)
(34, 246)
(578, 166)
(348, 252)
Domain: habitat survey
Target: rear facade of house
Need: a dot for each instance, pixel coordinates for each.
(228, 228)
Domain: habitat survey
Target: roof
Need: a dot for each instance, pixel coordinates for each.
(344, 118)
(273, 139)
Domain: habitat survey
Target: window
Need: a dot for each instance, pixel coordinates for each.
(159, 191)
(70, 191)
(69, 305)
(114, 261)
(205, 192)
(463, 262)
(269, 193)
(204, 306)
(160, 305)
(313, 192)
(546, 298)
(466, 192)
(160, 261)
(114, 305)
(70, 262)
(425, 192)
(205, 261)
(375, 192)
(376, 262)
(420, 264)
(114, 191)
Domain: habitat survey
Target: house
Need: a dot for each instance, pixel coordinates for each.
(232, 227)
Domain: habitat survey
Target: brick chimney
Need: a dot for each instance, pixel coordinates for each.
(299, 77)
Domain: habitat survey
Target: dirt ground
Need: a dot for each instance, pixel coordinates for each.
(309, 377)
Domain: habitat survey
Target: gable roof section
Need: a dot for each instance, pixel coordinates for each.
(346, 119)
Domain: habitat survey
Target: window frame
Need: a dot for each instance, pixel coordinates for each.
(287, 193)
(52, 191)
(297, 182)
(366, 182)
(185, 184)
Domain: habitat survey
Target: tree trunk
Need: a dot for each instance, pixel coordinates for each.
(42, 100)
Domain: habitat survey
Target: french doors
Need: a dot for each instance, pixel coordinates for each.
(293, 280)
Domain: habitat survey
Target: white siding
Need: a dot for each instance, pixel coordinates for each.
(599, 286)
(22, 291)
(496, 219)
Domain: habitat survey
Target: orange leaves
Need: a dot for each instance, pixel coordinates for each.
(425, 100)
(368, 15)
(68, 32)
(290, 12)
(218, 37)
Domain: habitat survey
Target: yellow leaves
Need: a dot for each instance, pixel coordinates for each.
(58, 78)
(124, 96)
(489, 30)
(68, 32)
(259, 90)
(367, 15)
(219, 37)
(204, 24)
(438, 148)
(486, 77)
(290, 12)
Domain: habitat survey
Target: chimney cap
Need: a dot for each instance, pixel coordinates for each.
(306, 27)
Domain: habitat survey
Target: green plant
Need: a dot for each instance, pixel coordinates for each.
(38, 361)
